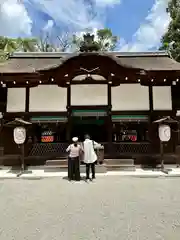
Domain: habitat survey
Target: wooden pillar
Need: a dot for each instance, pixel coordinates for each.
(1, 136)
(150, 105)
(27, 99)
(110, 126)
(150, 99)
(28, 144)
(152, 127)
(69, 114)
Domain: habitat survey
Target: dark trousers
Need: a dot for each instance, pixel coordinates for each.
(73, 169)
(88, 166)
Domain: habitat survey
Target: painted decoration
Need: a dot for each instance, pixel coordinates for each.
(19, 135)
(164, 133)
(47, 136)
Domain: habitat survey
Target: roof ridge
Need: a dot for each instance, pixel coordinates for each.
(65, 54)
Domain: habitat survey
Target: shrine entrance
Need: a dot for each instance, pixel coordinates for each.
(95, 126)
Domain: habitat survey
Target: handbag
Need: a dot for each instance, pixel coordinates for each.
(81, 154)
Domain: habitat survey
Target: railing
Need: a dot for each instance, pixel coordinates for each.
(132, 148)
(127, 149)
(121, 148)
(48, 149)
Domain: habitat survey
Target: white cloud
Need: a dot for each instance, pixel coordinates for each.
(149, 33)
(107, 2)
(14, 19)
(49, 25)
(76, 15)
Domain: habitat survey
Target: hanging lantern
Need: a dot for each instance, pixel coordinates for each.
(164, 133)
(19, 135)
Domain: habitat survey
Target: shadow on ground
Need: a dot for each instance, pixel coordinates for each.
(81, 179)
(15, 170)
(151, 167)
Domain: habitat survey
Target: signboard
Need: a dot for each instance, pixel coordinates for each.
(47, 136)
(164, 133)
(19, 135)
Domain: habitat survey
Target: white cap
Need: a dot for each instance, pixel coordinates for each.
(75, 139)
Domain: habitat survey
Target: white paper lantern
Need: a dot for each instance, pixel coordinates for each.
(164, 133)
(19, 135)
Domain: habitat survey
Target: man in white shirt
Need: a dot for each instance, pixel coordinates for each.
(90, 156)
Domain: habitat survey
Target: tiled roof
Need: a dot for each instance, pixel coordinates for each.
(35, 62)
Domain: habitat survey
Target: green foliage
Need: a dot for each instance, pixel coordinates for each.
(8, 44)
(4, 56)
(103, 41)
(43, 44)
(26, 44)
(171, 40)
(11, 45)
(106, 40)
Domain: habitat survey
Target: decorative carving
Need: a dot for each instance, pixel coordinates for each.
(88, 44)
(89, 71)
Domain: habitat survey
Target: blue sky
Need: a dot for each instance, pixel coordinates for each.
(139, 24)
(124, 19)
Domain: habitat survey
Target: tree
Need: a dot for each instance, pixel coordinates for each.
(102, 40)
(171, 39)
(26, 44)
(59, 43)
(106, 40)
(43, 44)
(63, 42)
(8, 44)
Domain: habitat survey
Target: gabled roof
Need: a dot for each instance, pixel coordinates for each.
(35, 61)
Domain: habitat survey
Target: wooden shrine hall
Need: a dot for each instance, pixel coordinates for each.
(112, 96)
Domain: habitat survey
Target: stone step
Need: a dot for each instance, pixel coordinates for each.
(128, 161)
(8, 156)
(61, 157)
(56, 162)
(111, 163)
(120, 167)
(99, 168)
(64, 168)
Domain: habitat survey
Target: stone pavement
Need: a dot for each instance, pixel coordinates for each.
(111, 208)
(8, 173)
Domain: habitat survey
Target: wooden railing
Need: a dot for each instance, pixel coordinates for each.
(121, 148)
(127, 149)
(48, 149)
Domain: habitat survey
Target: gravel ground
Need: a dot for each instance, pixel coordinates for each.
(111, 208)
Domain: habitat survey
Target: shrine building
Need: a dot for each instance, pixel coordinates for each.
(112, 96)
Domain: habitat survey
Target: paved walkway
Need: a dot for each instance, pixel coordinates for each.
(111, 208)
(8, 173)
